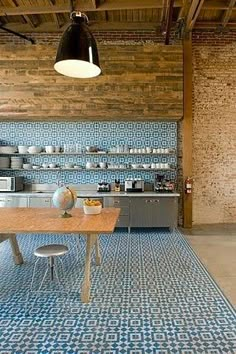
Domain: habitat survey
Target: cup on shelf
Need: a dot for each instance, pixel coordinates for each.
(78, 148)
(89, 164)
(49, 149)
(154, 151)
(148, 149)
(57, 149)
(44, 165)
(52, 165)
(22, 149)
(153, 165)
(102, 164)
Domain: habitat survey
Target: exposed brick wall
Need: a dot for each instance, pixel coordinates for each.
(100, 36)
(214, 127)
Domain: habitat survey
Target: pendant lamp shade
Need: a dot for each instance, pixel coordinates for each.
(77, 54)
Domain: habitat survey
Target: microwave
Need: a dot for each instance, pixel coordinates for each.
(11, 184)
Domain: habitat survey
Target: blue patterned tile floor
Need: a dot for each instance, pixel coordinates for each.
(150, 295)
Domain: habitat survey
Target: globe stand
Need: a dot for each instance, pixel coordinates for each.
(65, 215)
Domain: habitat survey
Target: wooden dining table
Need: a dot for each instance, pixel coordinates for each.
(15, 221)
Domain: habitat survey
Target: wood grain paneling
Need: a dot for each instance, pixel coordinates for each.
(138, 82)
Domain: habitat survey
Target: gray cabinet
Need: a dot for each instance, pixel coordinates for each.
(122, 203)
(13, 202)
(153, 212)
(39, 202)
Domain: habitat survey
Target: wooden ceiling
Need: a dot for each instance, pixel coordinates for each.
(31, 16)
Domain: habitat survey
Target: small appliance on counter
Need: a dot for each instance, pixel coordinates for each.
(117, 185)
(103, 187)
(11, 184)
(163, 185)
(134, 185)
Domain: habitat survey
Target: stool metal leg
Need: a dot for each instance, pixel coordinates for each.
(31, 285)
(51, 265)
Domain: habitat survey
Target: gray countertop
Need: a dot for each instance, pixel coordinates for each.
(86, 194)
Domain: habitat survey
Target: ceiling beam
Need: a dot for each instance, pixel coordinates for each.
(164, 13)
(228, 13)
(26, 18)
(55, 16)
(214, 25)
(112, 26)
(193, 13)
(169, 21)
(107, 6)
(184, 9)
(215, 5)
(29, 21)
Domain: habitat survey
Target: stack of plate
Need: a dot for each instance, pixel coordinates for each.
(4, 162)
(16, 162)
(8, 149)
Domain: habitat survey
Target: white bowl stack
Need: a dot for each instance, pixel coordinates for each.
(8, 149)
(34, 149)
(22, 149)
(16, 162)
(4, 162)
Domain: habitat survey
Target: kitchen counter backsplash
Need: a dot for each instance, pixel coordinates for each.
(104, 135)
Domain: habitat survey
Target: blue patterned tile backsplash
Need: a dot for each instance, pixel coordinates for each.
(104, 135)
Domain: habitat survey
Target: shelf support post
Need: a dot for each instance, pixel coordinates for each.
(187, 128)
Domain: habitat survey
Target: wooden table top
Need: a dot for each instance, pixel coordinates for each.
(48, 220)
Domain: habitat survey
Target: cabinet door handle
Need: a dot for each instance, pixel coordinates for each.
(156, 200)
(116, 202)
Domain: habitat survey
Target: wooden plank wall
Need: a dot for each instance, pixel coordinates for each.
(139, 82)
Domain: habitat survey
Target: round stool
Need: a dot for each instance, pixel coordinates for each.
(50, 252)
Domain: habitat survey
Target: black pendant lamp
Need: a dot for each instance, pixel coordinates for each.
(77, 54)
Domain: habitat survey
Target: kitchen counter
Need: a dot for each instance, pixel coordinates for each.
(93, 194)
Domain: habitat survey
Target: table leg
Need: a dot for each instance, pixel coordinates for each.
(15, 249)
(85, 291)
(97, 251)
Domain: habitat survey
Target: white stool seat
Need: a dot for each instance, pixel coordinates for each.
(52, 250)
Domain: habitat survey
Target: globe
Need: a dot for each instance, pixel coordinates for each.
(64, 198)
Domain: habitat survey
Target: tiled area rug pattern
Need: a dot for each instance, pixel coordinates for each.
(150, 295)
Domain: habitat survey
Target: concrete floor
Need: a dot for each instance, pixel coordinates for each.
(215, 245)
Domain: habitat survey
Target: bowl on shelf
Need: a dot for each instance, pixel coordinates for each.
(22, 149)
(34, 149)
(146, 165)
(27, 166)
(135, 165)
(8, 149)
